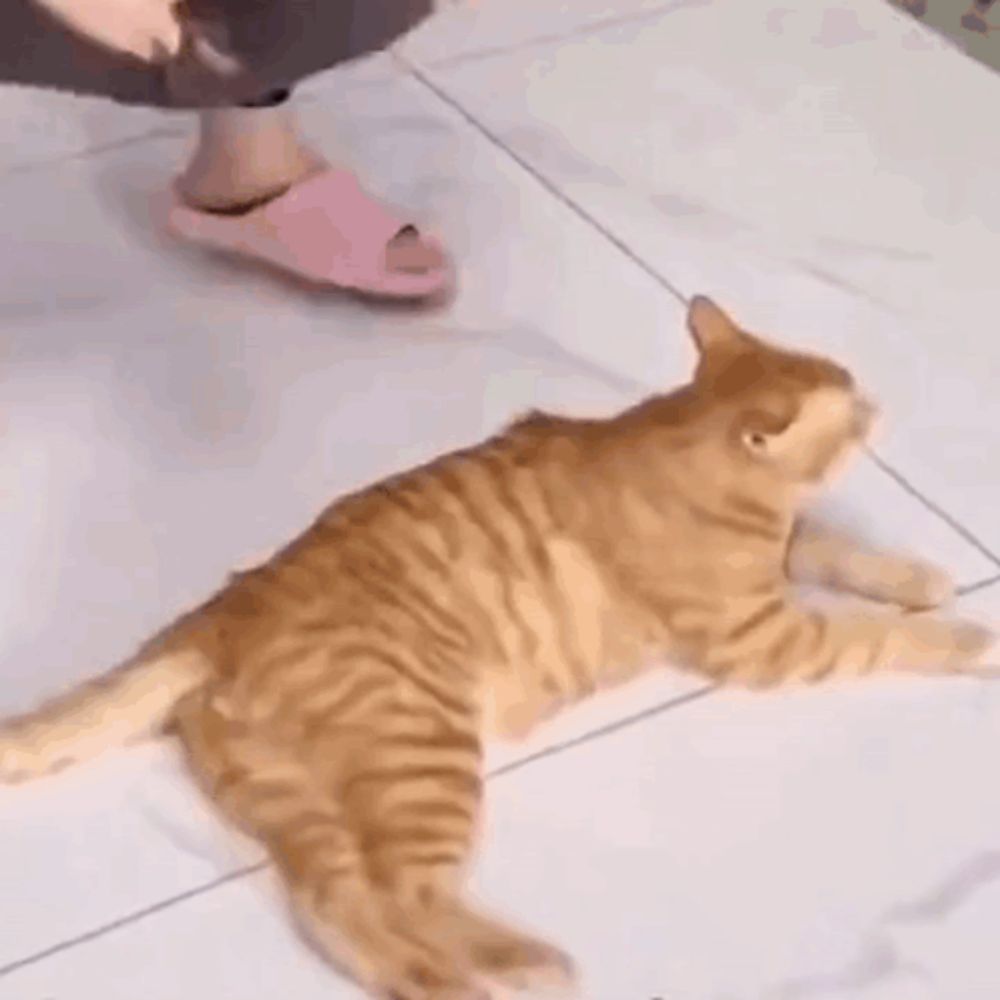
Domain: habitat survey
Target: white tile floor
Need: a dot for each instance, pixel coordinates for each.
(828, 170)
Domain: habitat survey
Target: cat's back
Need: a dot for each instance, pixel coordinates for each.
(448, 530)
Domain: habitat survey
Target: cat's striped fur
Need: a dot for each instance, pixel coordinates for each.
(334, 700)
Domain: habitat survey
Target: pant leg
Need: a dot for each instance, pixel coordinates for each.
(278, 42)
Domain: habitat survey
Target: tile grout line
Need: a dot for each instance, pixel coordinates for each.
(128, 919)
(551, 188)
(425, 79)
(556, 749)
(153, 133)
(445, 62)
(894, 474)
(84, 152)
(548, 752)
(636, 718)
(975, 588)
(553, 37)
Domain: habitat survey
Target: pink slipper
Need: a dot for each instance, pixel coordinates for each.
(326, 230)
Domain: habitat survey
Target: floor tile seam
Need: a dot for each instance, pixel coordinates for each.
(245, 871)
(550, 187)
(589, 736)
(903, 481)
(152, 133)
(88, 151)
(978, 587)
(556, 749)
(553, 189)
(571, 33)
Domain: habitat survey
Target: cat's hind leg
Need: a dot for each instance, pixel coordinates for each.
(831, 558)
(269, 788)
(413, 794)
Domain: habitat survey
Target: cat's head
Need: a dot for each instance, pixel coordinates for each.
(792, 414)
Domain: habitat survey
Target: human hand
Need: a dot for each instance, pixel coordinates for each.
(148, 29)
(152, 30)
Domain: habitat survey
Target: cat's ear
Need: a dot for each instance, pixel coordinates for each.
(710, 327)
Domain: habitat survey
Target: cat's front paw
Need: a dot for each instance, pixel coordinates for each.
(975, 644)
(940, 645)
(920, 586)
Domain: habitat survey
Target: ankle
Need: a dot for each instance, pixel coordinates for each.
(245, 155)
(218, 185)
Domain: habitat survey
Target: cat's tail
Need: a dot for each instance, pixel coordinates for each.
(130, 703)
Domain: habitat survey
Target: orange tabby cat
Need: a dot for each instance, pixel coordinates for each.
(334, 701)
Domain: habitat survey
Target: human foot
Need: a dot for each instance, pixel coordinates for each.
(231, 182)
(321, 226)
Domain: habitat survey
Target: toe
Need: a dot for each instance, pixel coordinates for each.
(926, 586)
(409, 253)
